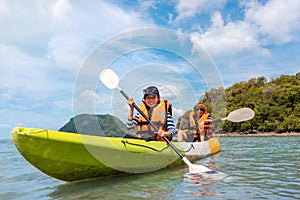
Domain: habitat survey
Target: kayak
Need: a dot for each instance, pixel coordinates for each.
(72, 156)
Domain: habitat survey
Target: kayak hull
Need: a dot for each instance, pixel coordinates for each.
(72, 156)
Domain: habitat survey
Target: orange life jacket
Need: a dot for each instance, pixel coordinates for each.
(195, 126)
(157, 115)
(207, 125)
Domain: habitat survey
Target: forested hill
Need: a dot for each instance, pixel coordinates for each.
(90, 124)
(276, 103)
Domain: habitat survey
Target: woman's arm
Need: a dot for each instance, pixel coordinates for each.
(132, 123)
(171, 131)
(170, 124)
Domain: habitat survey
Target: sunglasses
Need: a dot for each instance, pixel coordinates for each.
(197, 109)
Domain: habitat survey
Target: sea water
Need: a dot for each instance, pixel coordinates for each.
(252, 168)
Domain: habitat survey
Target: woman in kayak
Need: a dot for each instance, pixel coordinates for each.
(199, 125)
(158, 111)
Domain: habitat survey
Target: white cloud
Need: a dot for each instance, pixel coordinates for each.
(85, 27)
(3, 9)
(90, 101)
(222, 40)
(20, 70)
(274, 22)
(172, 91)
(65, 34)
(5, 126)
(277, 20)
(88, 96)
(62, 31)
(147, 4)
(42, 48)
(187, 9)
(176, 113)
(26, 25)
(32, 119)
(217, 20)
(60, 8)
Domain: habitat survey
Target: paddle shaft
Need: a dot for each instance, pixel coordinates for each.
(217, 120)
(151, 123)
(239, 115)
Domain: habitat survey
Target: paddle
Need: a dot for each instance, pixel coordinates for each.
(239, 115)
(109, 78)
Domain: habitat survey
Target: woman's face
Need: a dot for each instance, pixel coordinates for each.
(151, 100)
(199, 112)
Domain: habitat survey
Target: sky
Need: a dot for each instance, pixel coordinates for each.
(53, 51)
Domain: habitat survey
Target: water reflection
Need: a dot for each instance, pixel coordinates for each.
(203, 184)
(155, 185)
(168, 183)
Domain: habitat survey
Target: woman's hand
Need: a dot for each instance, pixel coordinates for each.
(163, 133)
(201, 126)
(130, 102)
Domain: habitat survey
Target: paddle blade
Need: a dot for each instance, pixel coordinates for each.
(109, 78)
(198, 169)
(195, 169)
(240, 115)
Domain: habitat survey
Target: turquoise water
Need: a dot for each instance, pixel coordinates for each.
(253, 167)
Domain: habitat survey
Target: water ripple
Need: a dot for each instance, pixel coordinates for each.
(253, 168)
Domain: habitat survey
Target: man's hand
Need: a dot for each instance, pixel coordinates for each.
(208, 121)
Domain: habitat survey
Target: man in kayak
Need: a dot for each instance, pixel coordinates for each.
(158, 111)
(199, 125)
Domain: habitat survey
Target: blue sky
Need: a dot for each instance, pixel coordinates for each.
(45, 45)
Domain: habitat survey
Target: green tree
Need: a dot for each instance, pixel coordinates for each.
(276, 103)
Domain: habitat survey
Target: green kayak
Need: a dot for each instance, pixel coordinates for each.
(72, 156)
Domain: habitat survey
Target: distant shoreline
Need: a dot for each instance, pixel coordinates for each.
(258, 134)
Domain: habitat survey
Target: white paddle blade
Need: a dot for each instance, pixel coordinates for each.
(109, 78)
(195, 169)
(198, 169)
(240, 115)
